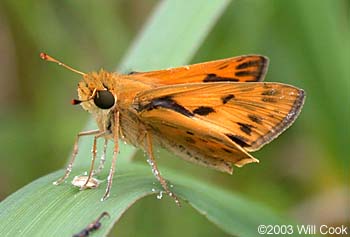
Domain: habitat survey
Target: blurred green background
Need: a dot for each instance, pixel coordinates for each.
(303, 174)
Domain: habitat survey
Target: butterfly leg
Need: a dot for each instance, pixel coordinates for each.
(155, 169)
(94, 152)
(103, 158)
(115, 155)
(74, 154)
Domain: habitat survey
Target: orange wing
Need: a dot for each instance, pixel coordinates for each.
(249, 68)
(196, 141)
(249, 114)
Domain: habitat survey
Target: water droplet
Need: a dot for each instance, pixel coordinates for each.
(160, 195)
(171, 186)
(155, 172)
(150, 162)
(109, 178)
(153, 189)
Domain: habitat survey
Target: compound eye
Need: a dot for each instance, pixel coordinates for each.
(104, 99)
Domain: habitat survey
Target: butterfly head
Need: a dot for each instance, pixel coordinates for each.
(96, 92)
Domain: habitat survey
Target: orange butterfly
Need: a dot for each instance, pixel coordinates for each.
(210, 113)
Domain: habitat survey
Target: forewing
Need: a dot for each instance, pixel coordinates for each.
(248, 114)
(249, 68)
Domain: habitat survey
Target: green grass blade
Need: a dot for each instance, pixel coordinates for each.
(41, 209)
(173, 40)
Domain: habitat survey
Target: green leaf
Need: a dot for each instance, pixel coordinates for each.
(173, 34)
(42, 209)
(170, 38)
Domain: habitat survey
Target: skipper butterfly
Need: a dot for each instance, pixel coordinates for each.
(211, 114)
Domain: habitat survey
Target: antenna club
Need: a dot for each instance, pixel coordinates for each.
(49, 58)
(44, 56)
